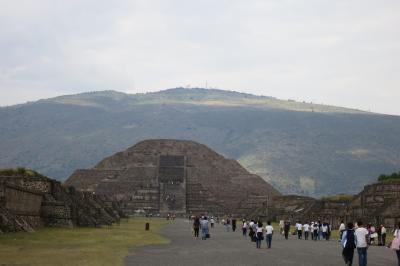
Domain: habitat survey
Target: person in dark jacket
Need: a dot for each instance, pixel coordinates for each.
(286, 229)
(196, 226)
(349, 244)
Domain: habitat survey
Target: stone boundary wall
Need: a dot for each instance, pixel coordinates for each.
(377, 204)
(22, 205)
(28, 203)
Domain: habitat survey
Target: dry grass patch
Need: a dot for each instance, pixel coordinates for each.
(79, 246)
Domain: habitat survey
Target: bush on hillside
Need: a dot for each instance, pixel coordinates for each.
(394, 177)
(20, 171)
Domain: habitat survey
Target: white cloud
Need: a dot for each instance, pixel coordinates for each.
(335, 52)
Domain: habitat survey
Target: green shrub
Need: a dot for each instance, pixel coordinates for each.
(394, 177)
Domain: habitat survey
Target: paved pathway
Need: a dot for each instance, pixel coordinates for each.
(230, 248)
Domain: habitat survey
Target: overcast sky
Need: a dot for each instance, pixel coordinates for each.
(343, 52)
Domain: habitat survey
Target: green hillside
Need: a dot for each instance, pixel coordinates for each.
(302, 148)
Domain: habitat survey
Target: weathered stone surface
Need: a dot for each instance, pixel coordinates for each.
(378, 203)
(162, 176)
(30, 202)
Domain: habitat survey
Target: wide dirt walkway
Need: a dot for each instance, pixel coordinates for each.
(230, 248)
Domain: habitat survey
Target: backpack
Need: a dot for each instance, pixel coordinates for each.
(350, 239)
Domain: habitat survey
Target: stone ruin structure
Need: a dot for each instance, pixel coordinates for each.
(175, 176)
(377, 204)
(27, 203)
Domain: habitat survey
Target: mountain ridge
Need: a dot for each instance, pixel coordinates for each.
(194, 96)
(298, 149)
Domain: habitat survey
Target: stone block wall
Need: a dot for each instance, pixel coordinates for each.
(26, 204)
(56, 214)
(19, 208)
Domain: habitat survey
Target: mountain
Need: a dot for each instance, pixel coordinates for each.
(303, 148)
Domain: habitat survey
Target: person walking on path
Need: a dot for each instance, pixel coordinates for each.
(269, 230)
(324, 230)
(204, 228)
(395, 245)
(228, 224)
(259, 234)
(316, 231)
(299, 228)
(233, 225)
(342, 228)
(319, 230)
(312, 230)
(361, 234)
(349, 243)
(306, 227)
(196, 226)
(212, 222)
(281, 225)
(244, 228)
(328, 232)
(286, 229)
(383, 235)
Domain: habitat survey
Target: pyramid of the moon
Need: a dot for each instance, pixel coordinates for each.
(175, 176)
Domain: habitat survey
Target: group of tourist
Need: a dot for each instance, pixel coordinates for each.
(202, 223)
(229, 223)
(353, 236)
(374, 234)
(316, 230)
(257, 232)
(360, 238)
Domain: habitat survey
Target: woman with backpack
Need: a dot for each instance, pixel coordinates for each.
(259, 234)
(349, 244)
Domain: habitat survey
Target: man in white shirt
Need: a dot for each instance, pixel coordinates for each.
(269, 231)
(362, 243)
(299, 228)
(342, 228)
(324, 230)
(383, 235)
(306, 227)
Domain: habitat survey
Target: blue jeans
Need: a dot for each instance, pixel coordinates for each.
(362, 256)
(268, 238)
(204, 232)
(258, 242)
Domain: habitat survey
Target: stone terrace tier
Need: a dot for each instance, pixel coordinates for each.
(174, 176)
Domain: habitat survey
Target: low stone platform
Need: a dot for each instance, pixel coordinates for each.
(228, 248)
